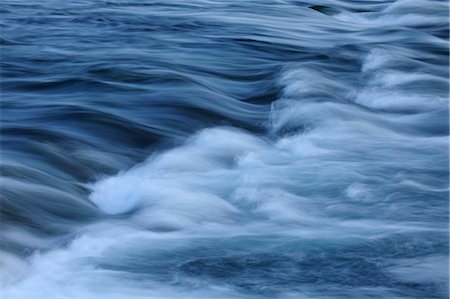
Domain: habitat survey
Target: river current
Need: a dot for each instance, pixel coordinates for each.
(224, 149)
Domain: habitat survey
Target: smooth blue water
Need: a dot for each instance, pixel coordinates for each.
(224, 149)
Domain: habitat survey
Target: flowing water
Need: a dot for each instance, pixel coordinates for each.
(224, 149)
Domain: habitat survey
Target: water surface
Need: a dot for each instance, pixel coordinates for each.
(224, 149)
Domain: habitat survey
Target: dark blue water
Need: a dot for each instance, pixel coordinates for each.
(224, 149)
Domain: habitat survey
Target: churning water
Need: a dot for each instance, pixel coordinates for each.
(224, 149)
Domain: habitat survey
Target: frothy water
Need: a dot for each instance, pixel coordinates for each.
(284, 149)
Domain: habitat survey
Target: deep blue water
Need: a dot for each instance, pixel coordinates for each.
(224, 149)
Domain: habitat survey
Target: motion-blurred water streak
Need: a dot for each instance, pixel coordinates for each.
(224, 149)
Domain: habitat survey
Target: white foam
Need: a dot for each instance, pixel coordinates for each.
(223, 182)
(384, 87)
(12, 269)
(414, 13)
(376, 59)
(426, 269)
(394, 78)
(393, 100)
(360, 192)
(298, 82)
(410, 19)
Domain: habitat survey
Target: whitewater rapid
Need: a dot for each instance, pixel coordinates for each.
(341, 193)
